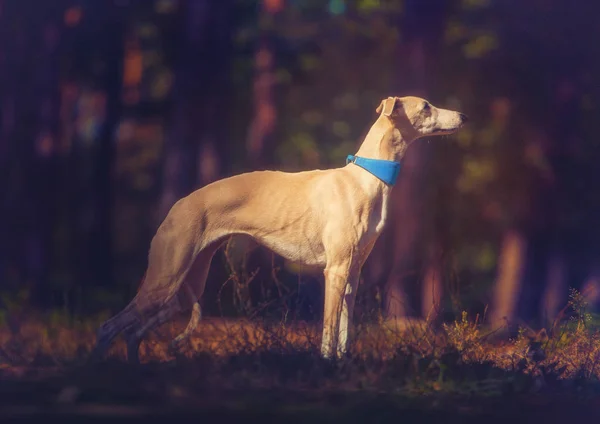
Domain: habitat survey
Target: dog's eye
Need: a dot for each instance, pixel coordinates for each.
(426, 106)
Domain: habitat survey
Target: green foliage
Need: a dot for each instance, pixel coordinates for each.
(514, 69)
(580, 307)
(464, 336)
(323, 103)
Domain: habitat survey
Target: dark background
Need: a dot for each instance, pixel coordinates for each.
(110, 110)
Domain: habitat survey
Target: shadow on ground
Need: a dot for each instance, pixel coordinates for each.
(191, 389)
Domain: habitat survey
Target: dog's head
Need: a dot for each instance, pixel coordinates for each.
(415, 117)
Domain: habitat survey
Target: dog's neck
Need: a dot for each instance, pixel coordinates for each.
(383, 141)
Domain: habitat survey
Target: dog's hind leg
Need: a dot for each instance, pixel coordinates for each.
(110, 329)
(191, 327)
(190, 291)
(194, 288)
(135, 320)
(135, 334)
(172, 254)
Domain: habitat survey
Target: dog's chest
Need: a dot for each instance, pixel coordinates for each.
(378, 216)
(375, 223)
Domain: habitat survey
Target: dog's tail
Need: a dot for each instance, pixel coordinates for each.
(141, 282)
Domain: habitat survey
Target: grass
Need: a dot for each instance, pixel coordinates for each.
(458, 368)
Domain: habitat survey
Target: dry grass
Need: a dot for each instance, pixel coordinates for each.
(244, 365)
(569, 352)
(452, 368)
(410, 357)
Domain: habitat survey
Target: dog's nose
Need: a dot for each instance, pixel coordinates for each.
(463, 118)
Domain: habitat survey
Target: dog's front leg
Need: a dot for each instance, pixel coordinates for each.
(346, 315)
(338, 276)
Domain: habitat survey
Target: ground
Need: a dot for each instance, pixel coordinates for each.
(235, 370)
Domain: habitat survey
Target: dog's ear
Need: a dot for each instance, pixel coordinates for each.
(387, 105)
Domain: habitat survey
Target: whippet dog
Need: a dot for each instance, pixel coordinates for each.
(322, 218)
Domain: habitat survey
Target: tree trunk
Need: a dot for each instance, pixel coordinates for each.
(263, 123)
(29, 66)
(432, 285)
(402, 232)
(555, 289)
(101, 251)
(591, 288)
(424, 26)
(197, 143)
(507, 287)
(46, 158)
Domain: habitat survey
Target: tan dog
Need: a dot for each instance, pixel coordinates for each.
(323, 218)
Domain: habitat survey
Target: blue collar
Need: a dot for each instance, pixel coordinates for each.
(386, 170)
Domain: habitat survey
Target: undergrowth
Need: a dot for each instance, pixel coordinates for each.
(409, 357)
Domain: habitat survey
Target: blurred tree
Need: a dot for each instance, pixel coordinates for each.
(29, 62)
(146, 95)
(332, 64)
(197, 147)
(92, 70)
(422, 26)
(95, 95)
(263, 124)
(518, 166)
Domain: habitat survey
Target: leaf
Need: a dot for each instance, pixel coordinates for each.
(312, 117)
(309, 62)
(464, 138)
(341, 129)
(283, 76)
(337, 7)
(455, 31)
(475, 4)
(368, 5)
(162, 84)
(480, 46)
(486, 258)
